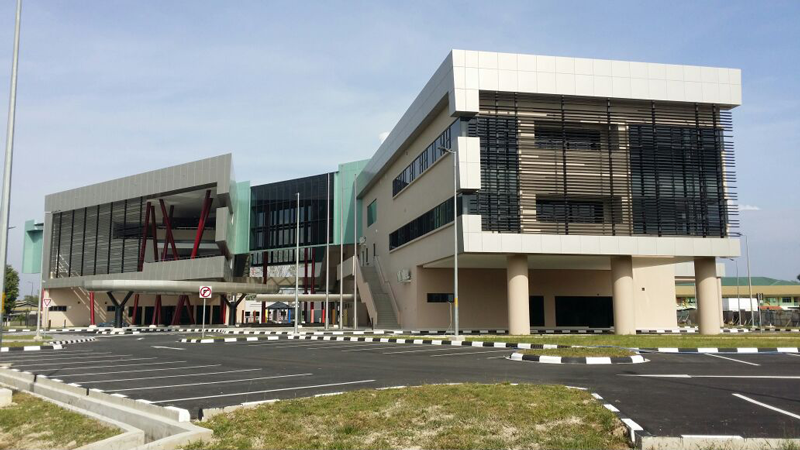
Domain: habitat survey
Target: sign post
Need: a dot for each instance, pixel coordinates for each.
(46, 302)
(205, 293)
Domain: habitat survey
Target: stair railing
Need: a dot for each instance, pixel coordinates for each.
(390, 290)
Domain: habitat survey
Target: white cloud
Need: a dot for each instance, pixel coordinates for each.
(383, 136)
(749, 208)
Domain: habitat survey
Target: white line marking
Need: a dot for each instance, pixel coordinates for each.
(366, 349)
(58, 365)
(115, 365)
(731, 359)
(60, 356)
(470, 353)
(767, 406)
(758, 377)
(194, 374)
(793, 354)
(168, 348)
(143, 370)
(712, 436)
(444, 349)
(209, 382)
(265, 391)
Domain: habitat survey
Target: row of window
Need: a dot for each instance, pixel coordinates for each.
(426, 159)
(437, 217)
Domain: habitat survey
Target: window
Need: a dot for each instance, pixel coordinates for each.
(58, 308)
(437, 217)
(440, 298)
(572, 211)
(426, 159)
(111, 308)
(372, 213)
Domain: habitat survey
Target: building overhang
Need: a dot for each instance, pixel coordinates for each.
(457, 82)
(173, 287)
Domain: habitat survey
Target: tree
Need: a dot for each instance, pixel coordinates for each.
(12, 289)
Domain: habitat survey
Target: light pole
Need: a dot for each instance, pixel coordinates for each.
(454, 153)
(327, 253)
(6, 205)
(355, 252)
(738, 298)
(750, 284)
(297, 264)
(341, 251)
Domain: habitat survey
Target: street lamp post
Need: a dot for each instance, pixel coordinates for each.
(750, 284)
(6, 205)
(297, 265)
(738, 297)
(454, 153)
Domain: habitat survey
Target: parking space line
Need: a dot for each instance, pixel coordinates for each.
(135, 371)
(287, 344)
(471, 353)
(731, 359)
(194, 374)
(366, 349)
(426, 350)
(239, 394)
(105, 360)
(115, 365)
(787, 413)
(60, 356)
(210, 382)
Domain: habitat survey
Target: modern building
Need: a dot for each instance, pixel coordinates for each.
(580, 184)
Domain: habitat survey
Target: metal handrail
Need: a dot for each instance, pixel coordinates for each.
(390, 291)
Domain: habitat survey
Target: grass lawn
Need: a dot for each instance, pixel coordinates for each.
(613, 352)
(427, 417)
(646, 341)
(32, 423)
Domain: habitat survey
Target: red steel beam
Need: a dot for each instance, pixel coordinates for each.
(222, 307)
(155, 234)
(157, 311)
(143, 250)
(202, 224)
(170, 238)
(91, 307)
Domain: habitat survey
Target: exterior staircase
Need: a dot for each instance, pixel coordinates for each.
(383, 304)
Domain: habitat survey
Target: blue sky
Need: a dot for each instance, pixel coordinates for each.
(111, 88)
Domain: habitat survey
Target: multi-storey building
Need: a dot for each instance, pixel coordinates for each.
(580, 184)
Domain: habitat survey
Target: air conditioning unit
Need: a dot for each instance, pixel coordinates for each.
(362, 240)
(404, 276)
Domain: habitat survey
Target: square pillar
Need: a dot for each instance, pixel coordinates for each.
(622, 292)
(708, 303)
(519, 320)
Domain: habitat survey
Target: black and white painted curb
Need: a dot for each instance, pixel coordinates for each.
(495, 344)
(224, 340)
(74, 341)
(634, 429)
(131, 331)
(635, 359)
(31, 348)
(694, 330)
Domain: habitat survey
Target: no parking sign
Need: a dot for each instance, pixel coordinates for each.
(205, 291)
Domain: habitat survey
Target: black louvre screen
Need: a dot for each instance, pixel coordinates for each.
(570, 165)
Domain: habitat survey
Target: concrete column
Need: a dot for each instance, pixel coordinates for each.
(519, 320)
(622, 291)
(705, 279)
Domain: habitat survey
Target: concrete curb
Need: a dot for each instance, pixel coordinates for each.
(636, 359)
(74, 341)
(163, 428)
(31, 348)
(714, 442)
(694, 330)
(510, 345)
(129, 438)
(227, 340)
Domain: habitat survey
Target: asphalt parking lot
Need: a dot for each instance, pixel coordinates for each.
(745, 395)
